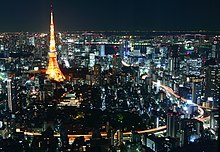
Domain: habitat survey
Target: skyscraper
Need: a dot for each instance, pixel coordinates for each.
(172, 123)
(212, 81)
(173, 59)
(53, 70)
(97, 72)
(190, 130)
(197, 89)
(9, 95)
(214, 120)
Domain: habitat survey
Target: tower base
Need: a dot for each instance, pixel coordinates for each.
(53, 70)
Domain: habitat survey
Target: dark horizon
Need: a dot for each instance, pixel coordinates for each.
(96, 15)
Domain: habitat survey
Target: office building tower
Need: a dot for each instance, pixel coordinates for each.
(9, 93)
(197, 89)
(125, 49)
(215, 51)
(172, 123)
(212, 83)
(31, 41)
(190, 130)
(102, 50)
(116, 62)
(191, 66)
(173, 59)
(97, 73)
(214, 120)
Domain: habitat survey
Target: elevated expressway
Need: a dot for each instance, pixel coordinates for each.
(153, 130)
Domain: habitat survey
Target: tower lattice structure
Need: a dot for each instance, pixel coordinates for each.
(53, 70)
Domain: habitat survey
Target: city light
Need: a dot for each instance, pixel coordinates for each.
(108, 90)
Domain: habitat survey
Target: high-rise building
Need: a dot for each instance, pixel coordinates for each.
(102, 50)
(172, 123)
(190, 130)
(12, 104)
(53, 70)
(197, 89)
(116, 62)
(214, 120)
(212, 83)
(9, 93)
(191, 66)
(214, 52)
(31, 41)
(173, 59)
(125, 48)
(97, 72)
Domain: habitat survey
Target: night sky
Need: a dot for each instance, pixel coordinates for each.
(70, 15)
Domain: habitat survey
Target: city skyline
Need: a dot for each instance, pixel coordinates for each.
(108, 91)
(33, 16)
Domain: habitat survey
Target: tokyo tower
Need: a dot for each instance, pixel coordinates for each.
(53, 71)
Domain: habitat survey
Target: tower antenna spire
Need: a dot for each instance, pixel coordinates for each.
(51, 6)
(51, 12)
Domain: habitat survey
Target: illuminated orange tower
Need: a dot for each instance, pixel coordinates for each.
(53, 70)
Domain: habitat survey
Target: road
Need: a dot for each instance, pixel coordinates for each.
(153, 130)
